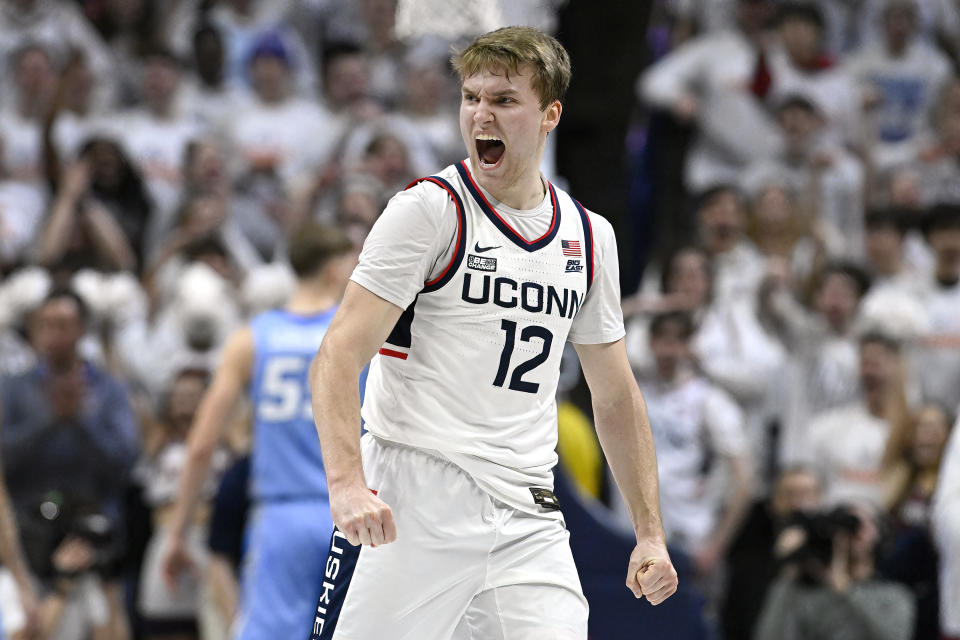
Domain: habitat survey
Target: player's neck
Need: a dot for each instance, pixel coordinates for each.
(310, 297)
(523, 194)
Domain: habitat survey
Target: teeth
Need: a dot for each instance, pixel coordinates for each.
(487, 136)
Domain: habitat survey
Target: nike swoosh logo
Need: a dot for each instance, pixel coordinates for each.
(480, 249)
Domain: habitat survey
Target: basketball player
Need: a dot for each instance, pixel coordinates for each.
(291, 525)
(467, 289)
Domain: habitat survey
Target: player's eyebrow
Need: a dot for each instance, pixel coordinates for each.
(496, 94)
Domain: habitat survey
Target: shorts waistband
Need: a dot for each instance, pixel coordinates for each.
(430, 453)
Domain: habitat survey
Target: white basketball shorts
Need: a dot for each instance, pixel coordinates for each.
(464, 566)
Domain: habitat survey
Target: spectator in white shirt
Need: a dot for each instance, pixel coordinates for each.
(802, 66)
(785, 234)
(905, 188)
(243, 24)
(721, 226)
(900, 78)
(694, 421)
(854, 25)
(385, 51)
(58, 27)
(130, 30)
(938, 362)
(75, 118)
(827, 178)
(847, 443)
(21, 214)
(822, 372)
(427, 89)
(212, 99)
(885, 253)
(279, 136)
(940, 172)
(346, 85)
(731, 348)
(362, 119)
(717, 81)
(21, 126)
(156, 135)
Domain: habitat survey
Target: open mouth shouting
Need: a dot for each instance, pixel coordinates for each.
(490, 150)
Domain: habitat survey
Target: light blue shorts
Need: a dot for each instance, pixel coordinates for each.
(283, 568)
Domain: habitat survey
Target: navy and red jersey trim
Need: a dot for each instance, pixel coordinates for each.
(501, 224)
(588, 236)
(400, 336)
(447, 274)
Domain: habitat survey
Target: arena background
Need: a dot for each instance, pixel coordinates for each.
(783, 180)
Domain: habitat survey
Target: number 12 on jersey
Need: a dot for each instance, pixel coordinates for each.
(517, 383)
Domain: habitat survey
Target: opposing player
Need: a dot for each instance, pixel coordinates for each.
(291, 524)
(466, 291)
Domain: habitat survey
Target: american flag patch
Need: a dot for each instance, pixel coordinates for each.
(570, 247)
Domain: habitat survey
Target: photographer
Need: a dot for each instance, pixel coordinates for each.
(69, 439)
(751, 566)
(827, 588)
(82, 593)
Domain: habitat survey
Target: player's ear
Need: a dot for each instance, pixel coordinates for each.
(551, 116)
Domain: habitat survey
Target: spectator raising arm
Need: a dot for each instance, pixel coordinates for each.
(668, 84)
(73, 211)
(55, 237)
(107, 237)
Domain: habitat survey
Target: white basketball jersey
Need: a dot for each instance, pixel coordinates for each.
(471, 368)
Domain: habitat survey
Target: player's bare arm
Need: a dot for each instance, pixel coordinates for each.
(217, 405)
(359, 329)
(622, 425)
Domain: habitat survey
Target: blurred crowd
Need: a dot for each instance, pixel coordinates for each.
(154, 158)
(796, 328)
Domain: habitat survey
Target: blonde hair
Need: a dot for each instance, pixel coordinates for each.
(509, 49)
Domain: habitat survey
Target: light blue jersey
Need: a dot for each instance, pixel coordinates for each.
(286, 462)
(290, 526)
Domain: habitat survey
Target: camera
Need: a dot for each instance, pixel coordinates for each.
(820, 529)
(54, 519)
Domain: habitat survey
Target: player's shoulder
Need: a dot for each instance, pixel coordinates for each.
(428, 196)
(600, 227)
(434, 186)
(257, 334)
